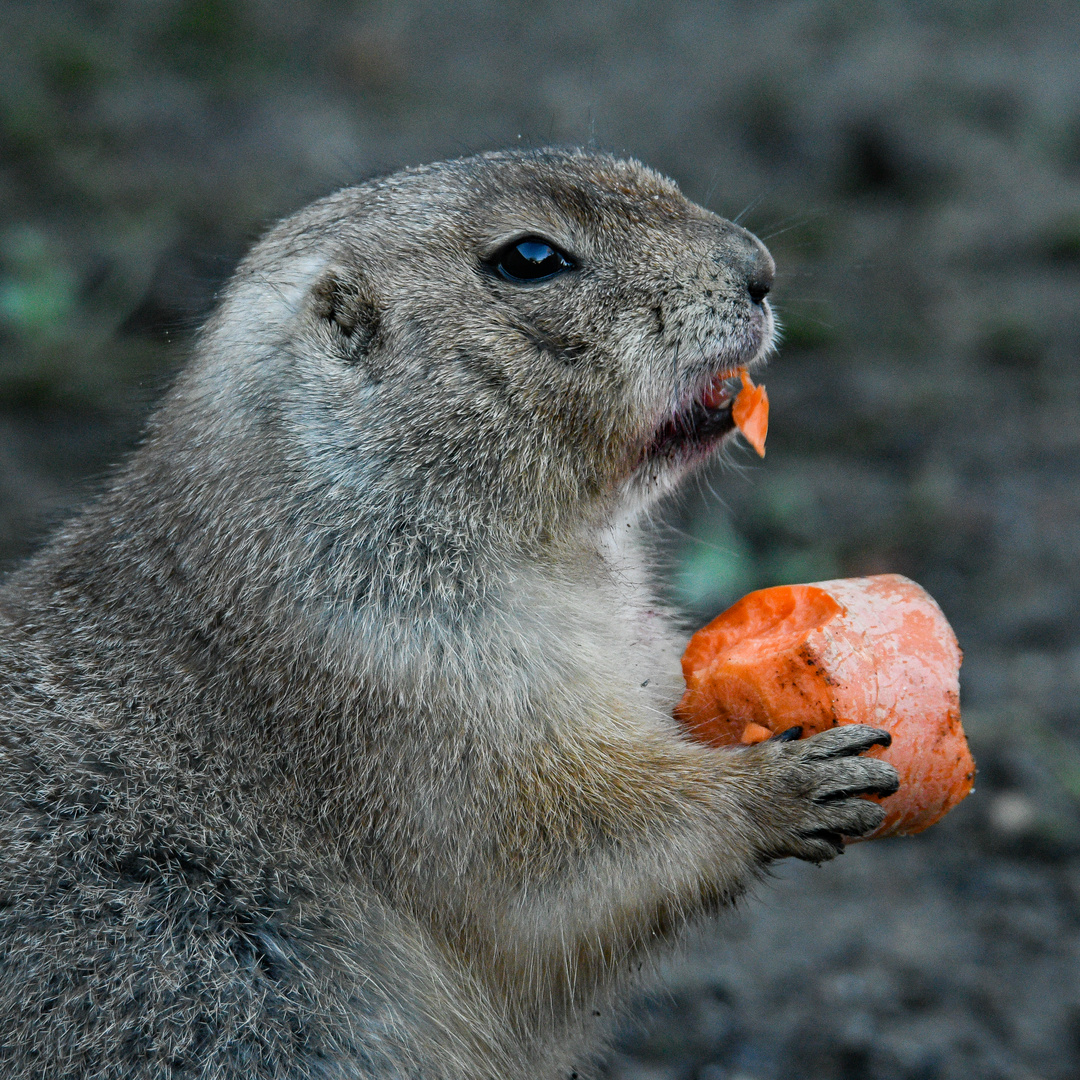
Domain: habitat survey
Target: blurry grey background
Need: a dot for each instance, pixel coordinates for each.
(915, 167)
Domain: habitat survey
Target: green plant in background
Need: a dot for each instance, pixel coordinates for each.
(218, 41)
(779, 534)
(1062, 239)
(59, 343)
(714, 565)
(38, 288)
(808, 325)
(74, 66)
(1013, 343)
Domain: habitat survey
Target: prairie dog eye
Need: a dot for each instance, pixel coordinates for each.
(530, 259)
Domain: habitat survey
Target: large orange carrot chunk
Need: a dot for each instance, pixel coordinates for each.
(873, 650)
(750, 411)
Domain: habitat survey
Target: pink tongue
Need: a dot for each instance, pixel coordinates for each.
(716, 395)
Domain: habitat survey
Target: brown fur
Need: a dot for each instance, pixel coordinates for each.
(336, 734)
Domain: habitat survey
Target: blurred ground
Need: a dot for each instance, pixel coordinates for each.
(915, 167)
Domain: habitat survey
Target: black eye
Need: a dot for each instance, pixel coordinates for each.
(531, 259)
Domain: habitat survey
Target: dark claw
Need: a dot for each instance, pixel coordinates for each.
(889, 788)
(845, 741)
(827, 836)
(789, 735)
(840, 794)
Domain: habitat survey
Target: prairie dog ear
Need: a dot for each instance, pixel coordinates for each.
(344, 299)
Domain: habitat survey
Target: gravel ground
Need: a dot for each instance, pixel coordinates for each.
(915, 167)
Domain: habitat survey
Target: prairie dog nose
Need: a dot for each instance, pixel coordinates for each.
(760, 269)
(759, 280)
(746, 258)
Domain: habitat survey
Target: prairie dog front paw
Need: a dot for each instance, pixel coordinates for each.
(816, 788)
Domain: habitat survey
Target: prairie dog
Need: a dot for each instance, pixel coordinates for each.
(337, 734)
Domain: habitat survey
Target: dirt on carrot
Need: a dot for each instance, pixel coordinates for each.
(874, 650)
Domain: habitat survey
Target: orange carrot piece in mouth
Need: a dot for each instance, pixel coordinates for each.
(751, 412)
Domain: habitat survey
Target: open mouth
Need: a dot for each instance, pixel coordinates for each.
(701, 422)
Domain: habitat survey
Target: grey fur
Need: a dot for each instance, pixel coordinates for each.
(336, 733)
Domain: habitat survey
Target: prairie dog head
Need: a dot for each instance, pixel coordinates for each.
(510, 344)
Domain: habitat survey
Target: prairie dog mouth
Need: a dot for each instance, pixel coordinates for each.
(701, 422)
(697, 424)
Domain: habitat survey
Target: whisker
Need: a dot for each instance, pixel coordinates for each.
(750, 206)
